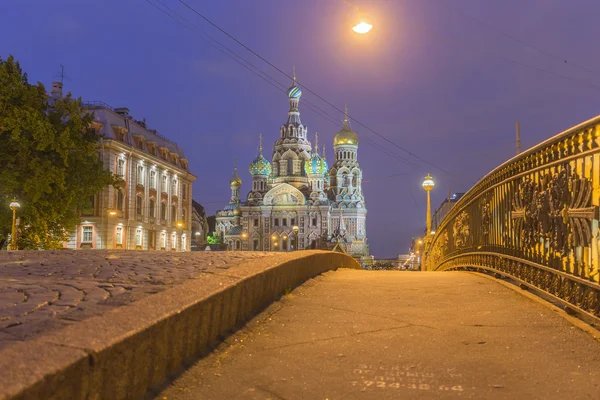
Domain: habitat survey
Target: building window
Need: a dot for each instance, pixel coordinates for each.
(173, 213)
(86, 236)
(184, 191)
(183, 214)
(119, 235)
(255, 221)
(163, 187)
(173, 241)
(256, 244)
(140, 175)
(163, 240)
(183, 242)
(138, 237)
(276, 222)
(120, 200)
(152, 208)
(121, 167)
(314, 222)
(284, 222)
(174, 188)
(153, 179)
(138, 205)
(163, 210)
(293, 222)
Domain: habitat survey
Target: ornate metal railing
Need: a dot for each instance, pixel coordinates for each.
(534, 219)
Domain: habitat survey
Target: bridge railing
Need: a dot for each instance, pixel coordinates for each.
(533, 218)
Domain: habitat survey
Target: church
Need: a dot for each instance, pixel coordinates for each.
(297, 201)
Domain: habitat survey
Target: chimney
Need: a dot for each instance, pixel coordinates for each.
(56, 92)
(122, 111)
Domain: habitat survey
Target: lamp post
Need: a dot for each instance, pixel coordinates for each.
(295, 229)
(428, 185)
(244, 237)
(14, 206)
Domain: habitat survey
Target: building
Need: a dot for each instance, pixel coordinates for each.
(296, 200)
(441, 212)
(152, 208)
(200, 227)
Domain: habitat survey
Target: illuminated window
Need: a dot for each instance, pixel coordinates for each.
(183, 242)
(163, 240)
(173, 241)
(121, 167)
(163, 186)
(119, 235)
(163, 210)
(152, 179)
(138, 237)
(140, 175)
(86, 236)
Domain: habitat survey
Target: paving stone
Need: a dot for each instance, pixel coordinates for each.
(41, 291)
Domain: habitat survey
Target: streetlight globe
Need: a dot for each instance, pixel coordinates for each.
(295, 229)
(428, 183)
(14, 204)
(362, 27)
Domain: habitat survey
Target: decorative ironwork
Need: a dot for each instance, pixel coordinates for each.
(535, 219)
(461, 229)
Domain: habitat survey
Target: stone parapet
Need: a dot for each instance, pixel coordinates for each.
(125, 351)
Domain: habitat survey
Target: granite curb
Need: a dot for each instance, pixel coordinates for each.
(125, 352)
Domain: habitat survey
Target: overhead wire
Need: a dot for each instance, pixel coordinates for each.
(273, 82)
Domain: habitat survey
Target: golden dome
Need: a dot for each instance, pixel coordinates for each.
(345, 137)
(237, 211)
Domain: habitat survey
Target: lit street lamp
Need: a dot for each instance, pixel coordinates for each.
(295, 229)
(428, 185)
(14, 206)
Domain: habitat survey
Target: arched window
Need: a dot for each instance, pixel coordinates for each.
(163, 210)
(138, 205)
(152, 207)
(173, 213)
(120, 200)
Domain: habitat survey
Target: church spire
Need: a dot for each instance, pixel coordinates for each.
(316, 142)
(346, 119)
(324, 154)
(260, 144)
(294, 74)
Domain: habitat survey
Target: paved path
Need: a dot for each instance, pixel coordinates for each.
(40, 291)
(398, 335)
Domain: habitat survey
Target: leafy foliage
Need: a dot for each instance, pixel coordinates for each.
(49, 160)
(214, 238)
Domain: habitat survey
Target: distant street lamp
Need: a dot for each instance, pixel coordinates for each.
(362, 27)
(428, 185)
(180, 224)
(14, 206)
(295, 229)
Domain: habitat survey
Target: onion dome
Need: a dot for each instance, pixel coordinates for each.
(346, 136)
(235, 180)
(316, 165)
(294, 91)
(260, 165)
(237, 211)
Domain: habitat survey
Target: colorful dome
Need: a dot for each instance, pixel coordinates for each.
(260, 166)
(294, 92)
(316, 165)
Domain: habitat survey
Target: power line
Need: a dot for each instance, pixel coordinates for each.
(524, 43)
(273, 82)
(312, 92)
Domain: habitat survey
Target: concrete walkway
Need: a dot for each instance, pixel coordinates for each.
(392, 335)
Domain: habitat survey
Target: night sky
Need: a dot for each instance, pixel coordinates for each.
(440, 78)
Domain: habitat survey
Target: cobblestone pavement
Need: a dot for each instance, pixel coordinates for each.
(40, 291)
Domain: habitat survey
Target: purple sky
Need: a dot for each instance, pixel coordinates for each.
(429, 77)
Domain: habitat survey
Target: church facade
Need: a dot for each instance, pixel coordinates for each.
(296, 200)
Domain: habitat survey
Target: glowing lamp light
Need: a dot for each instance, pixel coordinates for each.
(197, 233)
(180, 224)
(362, 27)
(14, 204)
(428, 183)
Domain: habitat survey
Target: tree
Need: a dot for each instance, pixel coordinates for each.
(214, 238)
(48, 160)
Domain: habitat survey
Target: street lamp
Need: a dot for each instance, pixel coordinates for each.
(14, 206)
(428, 185)
(295, 229)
